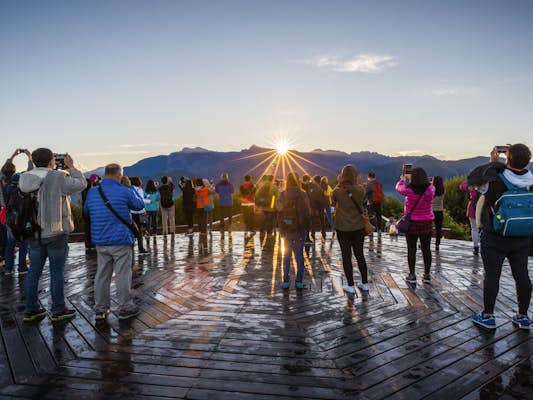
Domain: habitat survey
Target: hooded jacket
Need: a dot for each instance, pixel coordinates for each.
(106, 229)
(225, 190)
(424, 209)
(486, 179)
(347, 216)
(55, 188)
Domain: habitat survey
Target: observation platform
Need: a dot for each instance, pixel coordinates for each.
(215, 324)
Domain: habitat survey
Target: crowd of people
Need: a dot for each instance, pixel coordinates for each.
(117, 211)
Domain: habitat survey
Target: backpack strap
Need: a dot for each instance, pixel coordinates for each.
(506, 181)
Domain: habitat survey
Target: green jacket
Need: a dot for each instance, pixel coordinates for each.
(347, 216)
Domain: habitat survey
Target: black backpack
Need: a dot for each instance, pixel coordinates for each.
(290, 218)
(22, 214)
(165, 191)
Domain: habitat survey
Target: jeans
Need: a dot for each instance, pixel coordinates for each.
(425, 244)
(293, 246)
(225, 212)
(54, 248)
(329, 216)
(494, 250)
(118, 259)
(439, 216)
(168, 217)
(349, 240)
(152, 221)
(9, 255)
(475, 232)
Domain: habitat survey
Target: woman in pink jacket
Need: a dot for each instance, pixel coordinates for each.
(418, 189)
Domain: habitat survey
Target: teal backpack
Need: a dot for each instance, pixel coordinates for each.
(513, 211)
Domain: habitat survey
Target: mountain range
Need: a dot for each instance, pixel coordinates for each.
(199, 162)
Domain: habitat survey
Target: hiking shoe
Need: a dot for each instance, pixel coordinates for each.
(411, 278)
(64, 315)
(127, 314)
(37, 315)
(285, 285)
(23, 270)
(102, 314)
(522, 322)
(299, 285)
(483, 320)
(348, 289)
(363, 287)
(426, 278)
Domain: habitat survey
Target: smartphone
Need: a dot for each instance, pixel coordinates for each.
(501, 149)
(407, 169)
(60, 161)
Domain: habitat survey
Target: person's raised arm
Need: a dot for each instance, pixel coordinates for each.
(75, 182)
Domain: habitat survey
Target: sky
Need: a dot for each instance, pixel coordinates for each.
(124, 80)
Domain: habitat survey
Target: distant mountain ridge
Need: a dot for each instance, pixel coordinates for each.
(200, 162)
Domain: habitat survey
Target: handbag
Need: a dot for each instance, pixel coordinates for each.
(369, 228)
(404, 223)
(132, 226)
(143, 219)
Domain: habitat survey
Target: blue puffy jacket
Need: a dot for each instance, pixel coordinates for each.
(225, 193)
(106, 229)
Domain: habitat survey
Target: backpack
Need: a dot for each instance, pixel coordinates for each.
(513, 211)
(22, 214)
(289, 217)
(377, 193)
(317, 197)
(263, 196)
(165, 191)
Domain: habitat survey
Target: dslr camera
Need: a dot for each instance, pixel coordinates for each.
(60, 161)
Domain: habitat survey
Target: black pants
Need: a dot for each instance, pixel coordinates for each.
(494, 250)
(318, 214)
(225, 212)
(201, 216)
(348, 241)
(189, 217)
(439, 216)
(268, 221)
(87, 231)
(248, 214)
(3, 240)
(375, 208)
(140, 232)
(425, 244)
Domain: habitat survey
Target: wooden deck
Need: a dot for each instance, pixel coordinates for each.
(216, 325)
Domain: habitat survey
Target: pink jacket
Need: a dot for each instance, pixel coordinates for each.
(424, 210)
(472, 198)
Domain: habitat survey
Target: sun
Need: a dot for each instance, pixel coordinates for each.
(282, 146)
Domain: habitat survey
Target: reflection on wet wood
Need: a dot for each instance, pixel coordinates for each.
(215, 324)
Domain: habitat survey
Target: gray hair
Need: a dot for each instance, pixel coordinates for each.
(113, 170)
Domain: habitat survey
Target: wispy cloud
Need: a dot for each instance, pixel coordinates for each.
(112, 153)
(452, 91)
(129, 146)
(369, 63)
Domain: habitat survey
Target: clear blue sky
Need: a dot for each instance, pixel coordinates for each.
(122, 80)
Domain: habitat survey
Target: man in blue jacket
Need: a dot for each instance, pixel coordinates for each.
(225, 190)
(114, 240)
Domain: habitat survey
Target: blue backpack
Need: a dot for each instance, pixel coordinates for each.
(513, 211)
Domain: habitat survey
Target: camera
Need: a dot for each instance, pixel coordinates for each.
(501, 149)
(407, 169)
(60, 161)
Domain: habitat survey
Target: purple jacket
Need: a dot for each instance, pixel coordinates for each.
(472, 198)
(225, 193)
(424, 209)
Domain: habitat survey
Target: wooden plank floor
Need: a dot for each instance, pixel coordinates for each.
(216, 325)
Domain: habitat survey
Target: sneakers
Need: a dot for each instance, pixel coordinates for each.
(476, 251)
(285, 285)
(426, 278)
(64, 315)
(31, 316)
(363, 287)
(23, 270)
(411, 278)
(102, 314)
(143, 252)
(127, 314)
(299, 285)
(522, 322)
(483, 320)
(348, 289)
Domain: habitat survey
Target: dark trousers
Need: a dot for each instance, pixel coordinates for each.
(87, 230)
(3, 239)
(152, 221)
(139, 233)
(348, 241)
(268, 221)
(201, 217)
(439, 216)
(189, 217)
(375, 209)
(226, 212)
(494, 250)
(425, 244)
(318, 213)
(248, 214)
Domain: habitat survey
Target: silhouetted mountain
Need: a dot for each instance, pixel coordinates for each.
(199, 162)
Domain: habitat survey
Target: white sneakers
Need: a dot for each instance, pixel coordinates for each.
(350, 289)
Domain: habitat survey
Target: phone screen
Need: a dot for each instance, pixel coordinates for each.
(407, 169)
